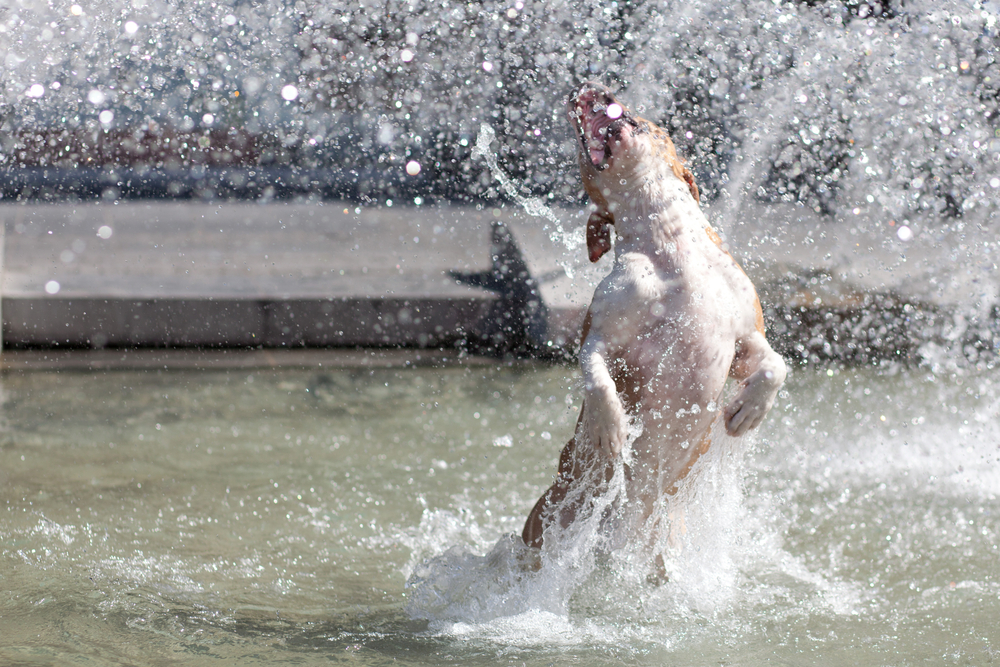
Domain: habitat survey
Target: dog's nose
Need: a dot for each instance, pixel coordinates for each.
(594, 93)
(592, 87)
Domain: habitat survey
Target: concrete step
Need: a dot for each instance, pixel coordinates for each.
(246, 275)
(337, 274)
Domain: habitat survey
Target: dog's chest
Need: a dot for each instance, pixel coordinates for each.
(674, 321)
(641, 293)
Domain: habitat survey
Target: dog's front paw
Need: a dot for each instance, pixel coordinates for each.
(751, 405)
(605, 421)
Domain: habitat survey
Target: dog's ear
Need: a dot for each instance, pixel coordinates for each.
(599, 234)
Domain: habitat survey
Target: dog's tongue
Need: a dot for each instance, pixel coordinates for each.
(596, 147)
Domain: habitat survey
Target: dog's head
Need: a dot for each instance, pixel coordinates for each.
(615, 144)
(604, 126)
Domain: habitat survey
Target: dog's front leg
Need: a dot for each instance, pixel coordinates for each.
(762, 371)
(604, 418)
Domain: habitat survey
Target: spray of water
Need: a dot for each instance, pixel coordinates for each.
(533, 206)
(599, 579)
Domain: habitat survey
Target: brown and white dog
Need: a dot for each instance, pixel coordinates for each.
(672, 321)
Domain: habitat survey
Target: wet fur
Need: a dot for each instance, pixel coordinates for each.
(672, 321)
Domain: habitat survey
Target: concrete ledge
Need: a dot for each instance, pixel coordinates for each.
(343, 322)
(241, 275)
(182, 274)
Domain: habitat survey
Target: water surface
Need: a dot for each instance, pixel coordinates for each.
(274, 517)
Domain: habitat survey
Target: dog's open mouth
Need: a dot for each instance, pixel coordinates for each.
(599, 120)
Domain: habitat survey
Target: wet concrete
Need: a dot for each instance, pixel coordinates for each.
(340, 275)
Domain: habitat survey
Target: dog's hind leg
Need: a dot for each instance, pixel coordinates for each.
(553, 500)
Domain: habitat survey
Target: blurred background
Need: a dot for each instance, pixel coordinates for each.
(833, 104)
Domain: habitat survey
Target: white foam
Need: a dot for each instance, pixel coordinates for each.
(722, 555)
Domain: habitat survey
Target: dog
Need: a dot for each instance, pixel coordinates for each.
(675, 318)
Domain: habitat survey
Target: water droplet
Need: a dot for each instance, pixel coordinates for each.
(229, 19)
(52, 287)
(904, 233)
(412, 167)
(131, 27)
(37, 90)
(104, 232)
(95, 97)
(76, 10)
(406, 55)
(208, 119)
(106, 117)
(289, 92)
(614, 110)
(385, 133)
(488, 66)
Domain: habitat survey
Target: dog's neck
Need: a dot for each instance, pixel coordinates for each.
(652, 217)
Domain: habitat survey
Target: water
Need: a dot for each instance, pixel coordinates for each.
(825, 107)
(274, 517)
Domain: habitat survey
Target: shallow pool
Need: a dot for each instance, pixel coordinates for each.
(273, 517)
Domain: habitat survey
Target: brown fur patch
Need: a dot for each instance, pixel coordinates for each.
(666, 151)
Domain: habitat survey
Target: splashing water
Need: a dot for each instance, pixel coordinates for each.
(596, 581)
(815, 105)
(875, 124)
(533, 206)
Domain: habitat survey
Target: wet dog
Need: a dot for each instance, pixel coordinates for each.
(674, 319)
